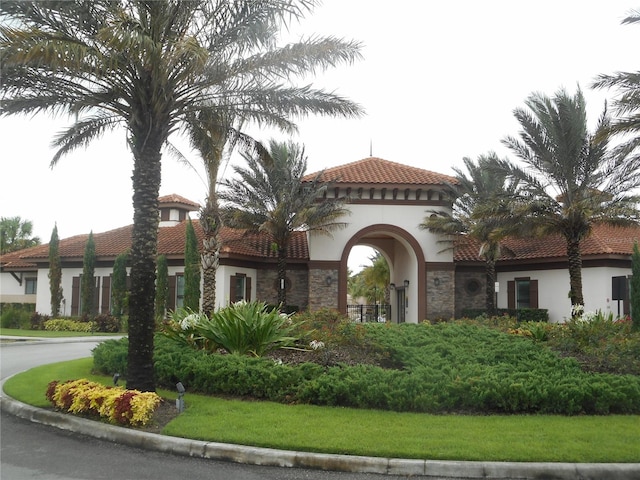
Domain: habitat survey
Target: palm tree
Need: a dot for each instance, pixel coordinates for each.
(481, 201)
(148, 66)
(376, 277)
(270, 196)
(627, 106)
(570, 180)
(16, 234)
(214, 135)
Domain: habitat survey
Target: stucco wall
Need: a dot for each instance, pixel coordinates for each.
(553, 289)
(407, 217)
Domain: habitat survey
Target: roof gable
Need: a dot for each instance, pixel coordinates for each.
(377, 171)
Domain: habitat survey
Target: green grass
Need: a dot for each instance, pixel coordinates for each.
(17, 332)
(526, 438)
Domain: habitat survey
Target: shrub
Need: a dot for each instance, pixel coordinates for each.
(37, 321)
(15, 316)
(602, 342)
(117, 405)
(437, 368)
(65, 325)
(106, 323)
(110, 356)
(521, 314)
(242, 328)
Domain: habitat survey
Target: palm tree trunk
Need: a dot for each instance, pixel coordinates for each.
(210, 221)
(282, 277)
(144, 241)
(491, 287)
(575, 272)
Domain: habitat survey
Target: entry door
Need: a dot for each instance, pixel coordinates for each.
(402, 304)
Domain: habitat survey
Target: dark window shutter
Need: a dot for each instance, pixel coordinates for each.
(96, 295)
(533, 293)
(171, 294)
(106, 295)
(511, 295)
(248, 288)
(75, 295)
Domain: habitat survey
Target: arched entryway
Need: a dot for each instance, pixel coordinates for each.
(387, 202)
(406, 266)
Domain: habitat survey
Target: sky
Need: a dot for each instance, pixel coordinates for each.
(439, 82)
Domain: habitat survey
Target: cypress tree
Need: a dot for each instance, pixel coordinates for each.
(88, 285)
(162, 288)
(55, 273)
(119, 285)
(635, 287)
(191, 270)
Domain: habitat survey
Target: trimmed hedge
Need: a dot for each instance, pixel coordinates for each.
(442, 368)
(521, 314)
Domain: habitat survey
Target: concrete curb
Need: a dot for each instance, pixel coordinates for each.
(323, 461)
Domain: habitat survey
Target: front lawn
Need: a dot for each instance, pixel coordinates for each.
(525, 438)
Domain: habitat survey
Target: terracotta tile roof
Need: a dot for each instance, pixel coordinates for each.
(174, 199)
(170, 242)
(374, 170)
(604, 240)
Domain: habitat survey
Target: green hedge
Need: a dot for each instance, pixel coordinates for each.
(521, 314)
(443, 368)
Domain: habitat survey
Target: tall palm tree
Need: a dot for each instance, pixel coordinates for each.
(146, 65)
(626, 106)
(271, 196)
(215, 135)
(482, 198)
(570, 180)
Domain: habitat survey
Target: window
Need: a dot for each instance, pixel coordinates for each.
(239, 288)
(30, 286)
(472, 286)
(179, 291)
(522, 293)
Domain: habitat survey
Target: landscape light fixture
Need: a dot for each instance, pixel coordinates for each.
(116, 377)
(180, 399)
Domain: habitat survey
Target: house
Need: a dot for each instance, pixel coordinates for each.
(387, 201)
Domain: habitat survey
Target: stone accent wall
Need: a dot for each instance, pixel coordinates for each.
(298, 286)
(470, 290)
(440, 299)
(322, 295)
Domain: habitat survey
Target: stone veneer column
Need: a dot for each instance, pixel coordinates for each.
(323, 294)
(440, 291)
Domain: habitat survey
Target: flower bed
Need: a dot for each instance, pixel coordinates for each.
(116, 404)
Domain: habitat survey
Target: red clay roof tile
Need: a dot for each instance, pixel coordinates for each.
(604, 240)
(375, 170)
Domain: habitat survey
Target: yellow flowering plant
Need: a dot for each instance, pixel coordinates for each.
(116, 404)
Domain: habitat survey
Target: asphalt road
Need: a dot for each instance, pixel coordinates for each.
(31, 451)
